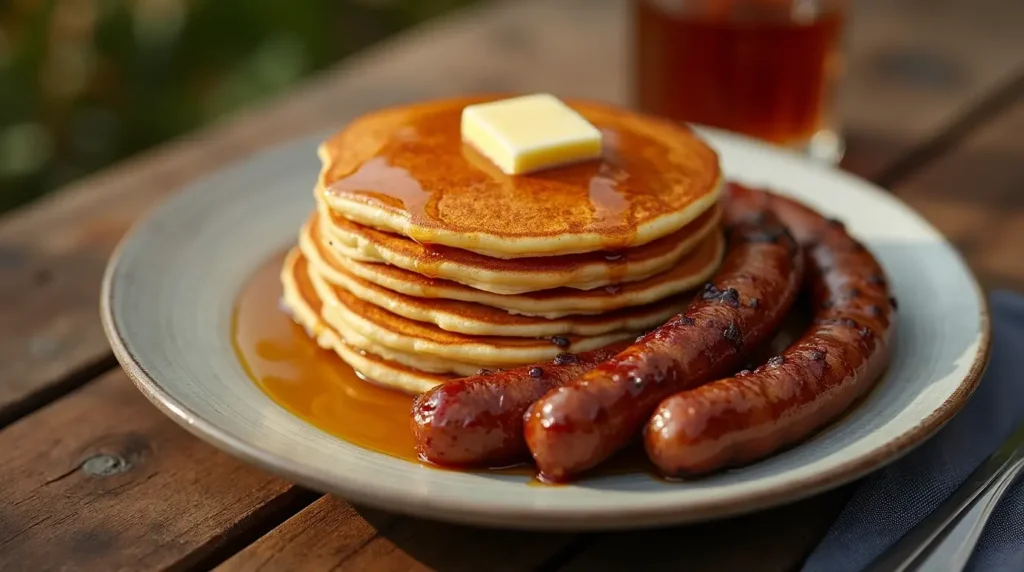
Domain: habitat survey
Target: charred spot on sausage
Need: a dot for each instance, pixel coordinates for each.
(565, 358)
(687, 321)
(743, 372)
(752, 303)
(817, 355)
(536, 372)
(560, 341)
(853, 292)
(874, 310)
(484, 371)
(865, 332)
(733, 334)
(729, 296)
(777, 361)
(876, 280)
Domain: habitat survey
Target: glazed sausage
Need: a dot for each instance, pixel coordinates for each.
(740, 419)
(478, 421)
(576, 426)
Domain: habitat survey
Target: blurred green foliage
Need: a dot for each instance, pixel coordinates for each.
(84, 83)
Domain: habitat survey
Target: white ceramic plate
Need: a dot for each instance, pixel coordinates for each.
(169, 291)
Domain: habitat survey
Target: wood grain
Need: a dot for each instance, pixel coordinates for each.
(975, 195)
(912, 69)
(101, 480)
(332, 535)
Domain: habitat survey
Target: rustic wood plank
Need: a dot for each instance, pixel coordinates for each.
(912, 69)
(332, 535)
(101, 480)
(975, 195)
(330, 530)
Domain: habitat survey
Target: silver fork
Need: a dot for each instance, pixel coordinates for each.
(945, 539)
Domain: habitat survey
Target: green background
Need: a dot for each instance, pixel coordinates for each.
(84, 83)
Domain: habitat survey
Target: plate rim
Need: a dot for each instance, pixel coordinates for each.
(528, 517)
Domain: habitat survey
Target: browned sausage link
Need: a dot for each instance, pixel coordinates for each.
(740, 419)
(577, 426)
(478, 421)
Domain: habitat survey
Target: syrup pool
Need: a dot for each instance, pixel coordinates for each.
(310, 382)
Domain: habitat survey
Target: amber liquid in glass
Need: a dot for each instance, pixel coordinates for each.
(752, 67)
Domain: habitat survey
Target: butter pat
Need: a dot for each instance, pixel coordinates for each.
(530, 133)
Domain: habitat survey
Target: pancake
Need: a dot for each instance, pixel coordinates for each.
(406, 170)
(478, 319)
(344, 312)
(416, 361)
(500, 276)
(305, 307)
(693, 270)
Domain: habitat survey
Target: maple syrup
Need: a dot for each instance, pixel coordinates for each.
(318, 387)
(310, 382)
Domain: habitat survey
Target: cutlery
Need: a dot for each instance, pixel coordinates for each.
(975, 501)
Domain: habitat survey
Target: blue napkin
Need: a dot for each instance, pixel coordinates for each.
(891, 501)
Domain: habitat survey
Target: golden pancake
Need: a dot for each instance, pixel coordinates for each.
(406, 170)
(305, 307)
(419, 362)
(343, 311)
(481, 320)
(693, 270)
(500, 276)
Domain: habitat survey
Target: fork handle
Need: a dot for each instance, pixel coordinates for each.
(954, 548)
(901, 556)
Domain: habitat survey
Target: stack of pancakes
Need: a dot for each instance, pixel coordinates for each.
(424, 262)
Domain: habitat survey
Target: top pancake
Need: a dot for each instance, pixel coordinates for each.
(406, 170)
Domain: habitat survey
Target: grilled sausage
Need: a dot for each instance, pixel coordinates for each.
(576, 426)
(478, 421)
(740, 419)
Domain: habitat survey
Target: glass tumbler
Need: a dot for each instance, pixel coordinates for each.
(764, 68)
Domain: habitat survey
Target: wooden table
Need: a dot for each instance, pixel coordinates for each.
(96, 478)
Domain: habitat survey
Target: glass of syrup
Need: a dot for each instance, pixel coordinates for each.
(764, 68)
